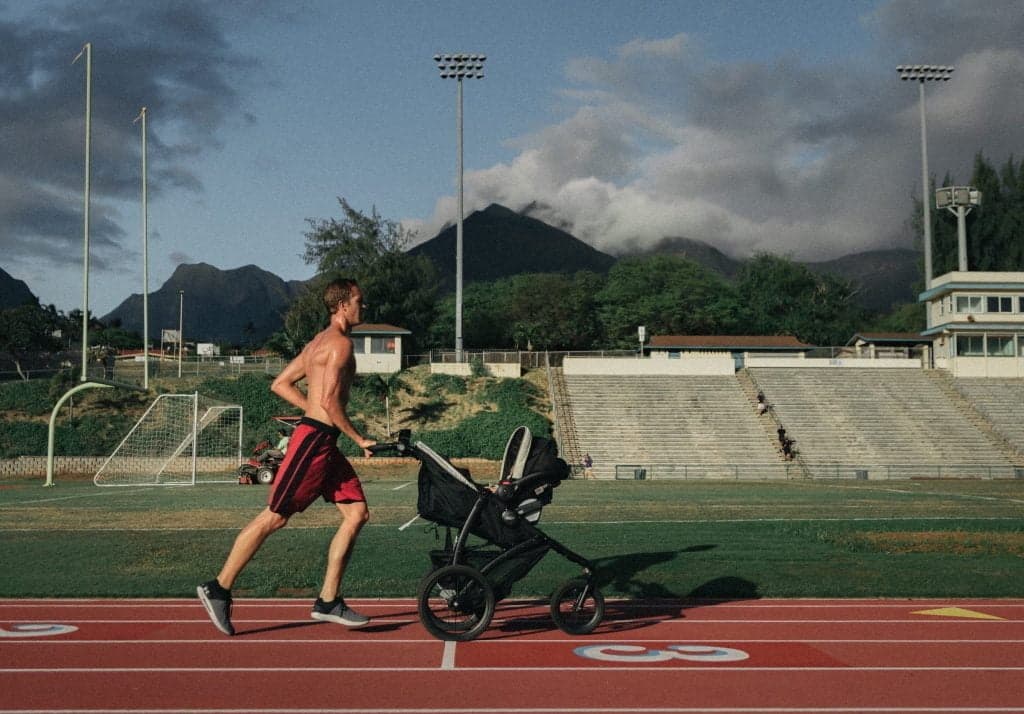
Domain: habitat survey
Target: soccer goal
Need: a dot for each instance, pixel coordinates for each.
(181, 440)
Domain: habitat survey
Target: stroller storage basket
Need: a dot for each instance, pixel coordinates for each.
(473, 557)
(503, 569)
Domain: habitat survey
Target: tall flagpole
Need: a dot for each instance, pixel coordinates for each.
(87, 51)
(145, 259)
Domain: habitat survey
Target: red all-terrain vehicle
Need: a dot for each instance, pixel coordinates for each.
(262, 465)
(265, 459)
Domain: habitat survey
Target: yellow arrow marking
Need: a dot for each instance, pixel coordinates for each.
(957, 612)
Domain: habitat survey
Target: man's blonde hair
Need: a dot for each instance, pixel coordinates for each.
(337, 292)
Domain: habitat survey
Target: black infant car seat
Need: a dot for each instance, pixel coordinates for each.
(530, 470)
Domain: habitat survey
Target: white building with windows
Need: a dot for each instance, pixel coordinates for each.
(378, 348)
(976, 320)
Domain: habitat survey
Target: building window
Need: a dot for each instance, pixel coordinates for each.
(970, 303)
(382, 345)
(1000, 346)
(1000, 304)
(358, 345)
(970, 346)
(1020, 308)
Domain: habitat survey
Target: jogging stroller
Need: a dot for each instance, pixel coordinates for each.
(456, 599)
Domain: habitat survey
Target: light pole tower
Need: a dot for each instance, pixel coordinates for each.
(87, 51)
(145, 259)
(459, 67)
(181, 326)
(921, 74)
(959, 200)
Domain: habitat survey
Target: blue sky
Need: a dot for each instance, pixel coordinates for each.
(753, 126)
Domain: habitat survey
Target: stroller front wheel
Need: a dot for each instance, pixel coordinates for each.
(577, 607)
(456, 603)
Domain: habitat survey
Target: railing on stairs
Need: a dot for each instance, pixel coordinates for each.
(565, 425)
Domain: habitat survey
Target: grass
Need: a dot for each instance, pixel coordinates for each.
(651, 539)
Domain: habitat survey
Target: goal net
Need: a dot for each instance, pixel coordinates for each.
(182, 439)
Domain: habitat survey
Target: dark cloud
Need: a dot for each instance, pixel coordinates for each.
(171, 57)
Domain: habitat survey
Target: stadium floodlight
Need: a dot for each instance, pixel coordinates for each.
(181, 326)
(921, 74)
(87, 51)
(145, 258)
(459, 66)
(959, 200)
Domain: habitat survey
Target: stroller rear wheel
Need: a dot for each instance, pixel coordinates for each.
(577, 607)
(456, 603)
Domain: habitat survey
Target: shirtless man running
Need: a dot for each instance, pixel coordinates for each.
(313, 465)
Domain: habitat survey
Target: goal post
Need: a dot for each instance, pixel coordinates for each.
(181, 439)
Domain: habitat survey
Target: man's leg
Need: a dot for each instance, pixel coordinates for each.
(216, 594)
(330, 606)
(353, 517)
(247, 542)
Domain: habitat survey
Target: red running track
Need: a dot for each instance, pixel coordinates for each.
(135, 656)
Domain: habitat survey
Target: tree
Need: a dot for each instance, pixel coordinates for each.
(667, 294)
(400, 289)
(905, 318)
(26, 331)
(781, 297)
(993, 229)
(553, 310)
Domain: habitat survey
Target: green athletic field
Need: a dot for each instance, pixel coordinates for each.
(649, 538)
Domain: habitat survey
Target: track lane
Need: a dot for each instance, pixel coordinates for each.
(827, 656)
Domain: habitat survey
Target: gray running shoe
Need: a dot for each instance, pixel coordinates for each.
(338, 611)
(217, 602)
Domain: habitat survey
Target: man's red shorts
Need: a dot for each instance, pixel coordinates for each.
(313, 466)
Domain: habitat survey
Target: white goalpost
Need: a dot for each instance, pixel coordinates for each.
(181, 440)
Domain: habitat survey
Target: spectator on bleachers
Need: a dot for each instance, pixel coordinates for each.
(787, 449)
(588, 466)
(762, 404)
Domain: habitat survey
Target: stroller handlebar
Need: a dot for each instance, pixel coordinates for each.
(401, 447)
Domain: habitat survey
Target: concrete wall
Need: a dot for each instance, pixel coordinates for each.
(381, 363)
(1002, 367)
(688, 363)
(834, 362)
(504, 370)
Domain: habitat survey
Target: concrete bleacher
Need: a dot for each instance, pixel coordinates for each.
(999, 401)
(888, 423)
(691, 425)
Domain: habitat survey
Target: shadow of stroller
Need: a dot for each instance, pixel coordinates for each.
(645, 602)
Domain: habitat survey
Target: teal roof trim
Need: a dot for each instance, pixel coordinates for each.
(952, 287)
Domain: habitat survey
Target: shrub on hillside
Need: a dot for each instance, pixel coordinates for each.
(78, 437)
(508, 393)
(451, 383)
(29, 396)
(259, 404)
(485, 434)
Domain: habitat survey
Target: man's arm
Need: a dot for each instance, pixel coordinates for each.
(334, 395)
(284, 384)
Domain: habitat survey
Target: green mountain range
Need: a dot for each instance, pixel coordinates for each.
(246, 305)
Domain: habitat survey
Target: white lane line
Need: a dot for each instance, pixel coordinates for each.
(695, 604)
(448, 659)
(596, 668)
(399, 488)
(236, 641)
(550, 710)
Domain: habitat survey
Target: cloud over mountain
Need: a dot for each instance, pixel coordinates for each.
(789, 156)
